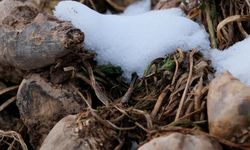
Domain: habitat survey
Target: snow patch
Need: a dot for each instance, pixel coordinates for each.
(132, 42)
(138, 7)
(235, 59)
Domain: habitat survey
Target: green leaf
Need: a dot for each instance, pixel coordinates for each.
(110, 70)
(167, 64)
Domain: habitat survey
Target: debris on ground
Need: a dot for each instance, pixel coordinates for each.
(56, 93)
(131, 117)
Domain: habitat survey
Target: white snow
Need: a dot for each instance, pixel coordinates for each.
(235, 59)
(138, 7)
(132, 42)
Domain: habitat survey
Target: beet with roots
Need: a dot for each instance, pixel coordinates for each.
(31, 40)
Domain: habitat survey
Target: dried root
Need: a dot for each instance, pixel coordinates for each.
(12, 140)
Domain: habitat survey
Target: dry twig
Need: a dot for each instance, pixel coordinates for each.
(15, 136)
(7, 103)
(186, 87)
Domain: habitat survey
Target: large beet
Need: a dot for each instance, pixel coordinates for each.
(79, 133)
(179, 141)
(64, 137)
(228, 108)
(30, 40)
(42, 104)
(39, 43)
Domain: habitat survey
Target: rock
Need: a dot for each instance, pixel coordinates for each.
(228, 106)
(72, 133)
(42, 105)
(179, 141)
